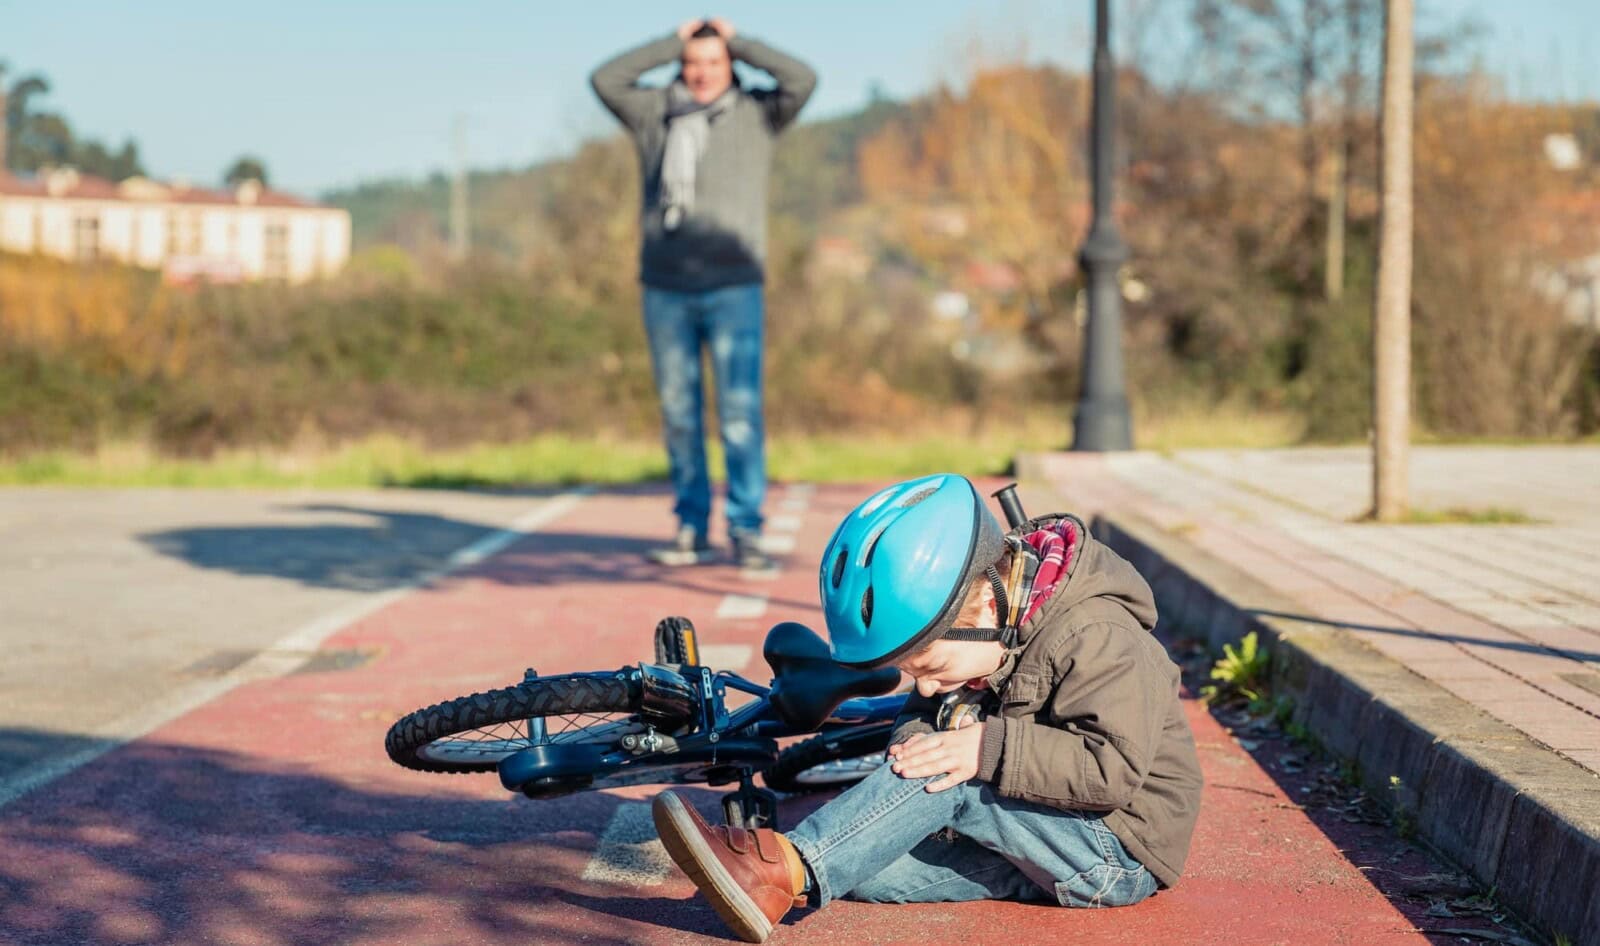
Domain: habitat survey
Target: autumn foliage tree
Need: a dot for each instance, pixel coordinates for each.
(1216, 210)
(1494, 219)
(992, 174)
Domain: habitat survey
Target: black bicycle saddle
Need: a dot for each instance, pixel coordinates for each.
(807, 685)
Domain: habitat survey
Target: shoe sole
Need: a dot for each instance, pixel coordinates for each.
(688, 848)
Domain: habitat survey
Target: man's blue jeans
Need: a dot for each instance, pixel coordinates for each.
(877, 842)
(729, 322)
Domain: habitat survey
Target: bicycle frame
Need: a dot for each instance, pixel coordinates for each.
(719, 746)
(680, 728)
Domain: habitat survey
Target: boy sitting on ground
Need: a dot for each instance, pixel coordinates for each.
(1082, 789)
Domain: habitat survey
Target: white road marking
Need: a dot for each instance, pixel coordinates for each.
(742, 606)
(785, 523)
(629, 854)
(281, 657)
(725, 656)
(529, 521)
(777, 544)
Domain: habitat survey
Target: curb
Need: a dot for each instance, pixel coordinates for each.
(1524, 821)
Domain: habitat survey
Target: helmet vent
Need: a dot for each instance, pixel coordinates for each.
(838, 565)
(918, 496)
(872, 546)
(866, 608)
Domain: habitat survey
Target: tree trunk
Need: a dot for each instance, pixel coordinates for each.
(1338, 200)
(1311, 14)
(1391, 335)
(1333, 247)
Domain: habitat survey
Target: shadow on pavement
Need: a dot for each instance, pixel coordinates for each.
(1528, 647)
(399, 547)
(178, 845)
(23, 748)
(395, 548)
(1440, 901)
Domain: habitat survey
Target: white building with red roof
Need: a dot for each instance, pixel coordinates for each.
(189, 233)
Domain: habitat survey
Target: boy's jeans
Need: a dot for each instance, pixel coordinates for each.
(872, 843)
(729, 322)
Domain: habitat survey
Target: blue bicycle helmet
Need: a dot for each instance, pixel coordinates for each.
(899, 566)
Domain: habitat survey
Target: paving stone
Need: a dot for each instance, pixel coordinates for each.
(1497, 625)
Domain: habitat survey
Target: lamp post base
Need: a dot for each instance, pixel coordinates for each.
(1102, 425)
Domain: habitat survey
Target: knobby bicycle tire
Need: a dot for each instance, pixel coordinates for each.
(576, 693)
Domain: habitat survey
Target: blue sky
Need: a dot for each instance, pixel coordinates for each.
(331, 93)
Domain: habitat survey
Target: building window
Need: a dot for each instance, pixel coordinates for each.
(86, 238)
(172, 235)
(275, 250)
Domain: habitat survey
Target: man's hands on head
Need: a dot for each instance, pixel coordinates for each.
(688, 28)
(953, 754)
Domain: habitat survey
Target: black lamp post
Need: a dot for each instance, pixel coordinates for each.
(1101, 421)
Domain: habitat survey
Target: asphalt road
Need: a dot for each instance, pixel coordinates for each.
(119, 608)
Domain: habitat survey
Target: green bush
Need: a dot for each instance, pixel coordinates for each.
(479, 354)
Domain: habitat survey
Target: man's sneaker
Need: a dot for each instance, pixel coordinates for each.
(751, 878)
(747, 552)
(689, 548)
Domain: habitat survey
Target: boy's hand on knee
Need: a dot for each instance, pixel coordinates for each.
(952, 754)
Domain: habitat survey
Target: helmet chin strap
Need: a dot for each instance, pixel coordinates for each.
(1008, 634)
(1002, 601)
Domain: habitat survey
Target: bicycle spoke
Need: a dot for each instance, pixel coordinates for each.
(503, 739)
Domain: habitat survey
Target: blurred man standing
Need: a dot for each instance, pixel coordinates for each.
(705, 148)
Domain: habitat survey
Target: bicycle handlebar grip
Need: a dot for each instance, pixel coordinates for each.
(1010, 505)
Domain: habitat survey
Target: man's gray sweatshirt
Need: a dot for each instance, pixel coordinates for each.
(723, 239)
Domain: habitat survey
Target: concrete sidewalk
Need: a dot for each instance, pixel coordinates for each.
(1504, 619)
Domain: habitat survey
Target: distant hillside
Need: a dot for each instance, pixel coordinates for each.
(814, 172)
(381, 210)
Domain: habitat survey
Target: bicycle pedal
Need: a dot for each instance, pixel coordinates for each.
(676, 643)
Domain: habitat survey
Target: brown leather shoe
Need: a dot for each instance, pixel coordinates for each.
(751, 878)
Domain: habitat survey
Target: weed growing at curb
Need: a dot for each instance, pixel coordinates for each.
(1243, 673)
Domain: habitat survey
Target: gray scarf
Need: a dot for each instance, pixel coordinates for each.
(688, 128)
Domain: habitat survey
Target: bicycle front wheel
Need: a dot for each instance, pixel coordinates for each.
(473, 733)
(830, 760)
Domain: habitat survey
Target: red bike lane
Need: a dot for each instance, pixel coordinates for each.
(272, 816)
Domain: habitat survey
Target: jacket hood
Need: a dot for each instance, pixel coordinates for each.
(1094, 572)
